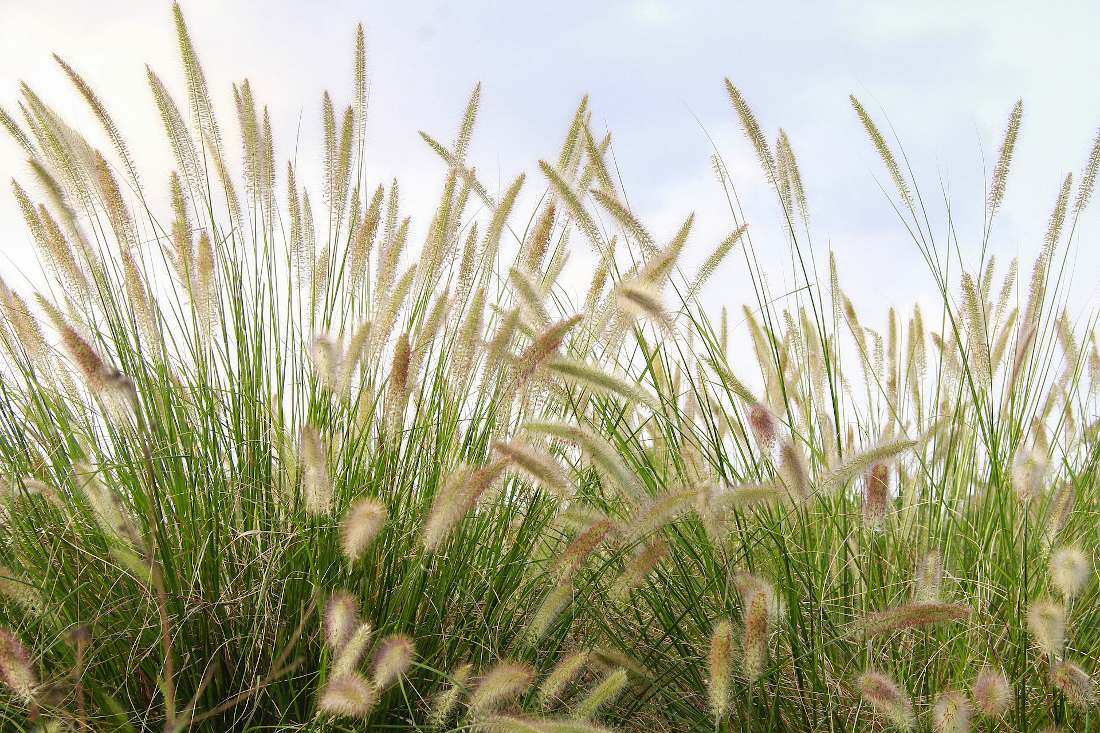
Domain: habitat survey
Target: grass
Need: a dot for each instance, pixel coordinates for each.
(273, 470)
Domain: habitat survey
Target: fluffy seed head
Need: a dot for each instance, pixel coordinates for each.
(754, 643)
(886, 699)
(1029, 473)
(352, 651)
(1069, 569)
(561, 675)
(392, 659)
(362, 523)
(1074, 683)
(928, 580)
(951, 713)
(764, 425)
(602, 694)
(316, 483)
(991, 692)
(718, 663)
(15, 667)
(1047, 622)
(500, 684)
(348, 696)
(341, 618)
(445, 703)
(876, 495)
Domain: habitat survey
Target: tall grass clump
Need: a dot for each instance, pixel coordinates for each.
(273, 465)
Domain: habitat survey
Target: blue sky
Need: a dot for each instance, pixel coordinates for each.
(944, 74)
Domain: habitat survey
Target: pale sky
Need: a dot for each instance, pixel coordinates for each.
(945, 74)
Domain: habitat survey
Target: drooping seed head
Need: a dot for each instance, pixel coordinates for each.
(951, 713)
(347, 695)
(316, 482)
(886, 699)
(15, 667)
(1069, 570)
(341, 619)
(876, 495)
(362, 523)
(392, 659)
(1074, 683)
(991, 692)
(718, 663)
(1047, 622)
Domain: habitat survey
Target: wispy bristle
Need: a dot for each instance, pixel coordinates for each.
(1069, 570)
(1074, 683)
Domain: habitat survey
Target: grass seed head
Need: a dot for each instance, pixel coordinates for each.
(719, 660)
(1074, 683)
(15, 667)
(991, 692)
(951, 713)
(1069, 570)
(499, 685)
(341, 619)
(347, 695)
(362, 523)
(392, 660)
(886, 699)
(1047, 622)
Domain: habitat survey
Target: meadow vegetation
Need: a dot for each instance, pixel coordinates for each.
(270, 465)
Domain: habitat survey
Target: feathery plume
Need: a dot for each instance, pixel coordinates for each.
(718, 663)
(752, 131)
(876, 494)
(1004, 159)
(348, 695)
(1074, 683)
(341, 619)
(911, 616)
(886, 699)
(639, 568)
(548, 611)
(392, 660)
(602, 694)
(991, 692)
(642, 300)
(764, 425)
(754, 642)
(351, 653)
(884, 152)
(537, 465)
(600, 381)
(1088, 178)
(455, 499)
(1029, 473)
(564, 672)
(502, 683)
(15, 667)
(1047, 622)
(362, 523)
(1069, 569)
(858, 462)
(711, 263)
(951, 713)
(316, 482)
(446, 702)
(928, 578)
